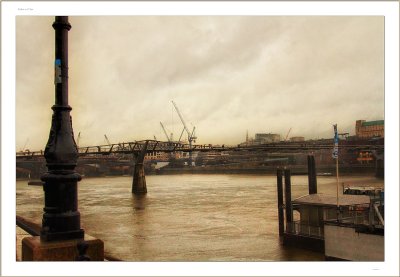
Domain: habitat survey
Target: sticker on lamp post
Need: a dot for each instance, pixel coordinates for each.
(57, 72)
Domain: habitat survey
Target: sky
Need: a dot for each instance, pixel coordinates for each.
(228, 75)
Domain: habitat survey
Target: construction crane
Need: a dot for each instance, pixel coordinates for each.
(107, 140)
(179, 140)
(26, 142)
(191, 135)
(165, 132)
(288, 133)
(78, 138)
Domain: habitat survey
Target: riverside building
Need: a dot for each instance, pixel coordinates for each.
(369, 129)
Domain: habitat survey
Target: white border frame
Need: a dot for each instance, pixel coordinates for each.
(388, 9)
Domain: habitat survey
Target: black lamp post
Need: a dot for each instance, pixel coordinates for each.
(61, 218)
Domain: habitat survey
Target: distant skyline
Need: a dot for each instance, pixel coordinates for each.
(227, 74)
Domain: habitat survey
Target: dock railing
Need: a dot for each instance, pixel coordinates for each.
(296, 228)
(355, 218)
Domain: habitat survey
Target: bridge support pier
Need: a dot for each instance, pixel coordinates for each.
(139, 178)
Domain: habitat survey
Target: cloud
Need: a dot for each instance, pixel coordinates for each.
(227, 74)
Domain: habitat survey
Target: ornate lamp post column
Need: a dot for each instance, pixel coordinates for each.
(61, 218)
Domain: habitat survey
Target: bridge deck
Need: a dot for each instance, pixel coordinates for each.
(162, 146)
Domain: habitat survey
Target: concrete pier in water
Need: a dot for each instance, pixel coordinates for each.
(139, 178)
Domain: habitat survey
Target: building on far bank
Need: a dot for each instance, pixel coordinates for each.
(267, 138)
(369, 129)
(297, 139)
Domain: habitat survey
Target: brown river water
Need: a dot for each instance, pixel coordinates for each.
(199, 217)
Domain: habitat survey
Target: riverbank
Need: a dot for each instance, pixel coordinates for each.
(150, 169)
(326, 170)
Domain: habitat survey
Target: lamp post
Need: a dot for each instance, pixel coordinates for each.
(61, 218)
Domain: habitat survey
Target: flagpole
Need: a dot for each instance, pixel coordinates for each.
(335, 155)
(337, 184)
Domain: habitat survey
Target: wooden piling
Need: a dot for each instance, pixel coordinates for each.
(312, 175)
(279, 176)
(288, 199)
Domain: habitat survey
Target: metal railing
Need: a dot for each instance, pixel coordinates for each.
(355, 218)
(296, 228)
(163, 146)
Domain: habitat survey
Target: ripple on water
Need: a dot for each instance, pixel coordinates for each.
(185, 217)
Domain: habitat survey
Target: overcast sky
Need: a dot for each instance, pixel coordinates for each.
(227, 74)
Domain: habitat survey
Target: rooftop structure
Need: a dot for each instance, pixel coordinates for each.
(369, 129)
(297, 139)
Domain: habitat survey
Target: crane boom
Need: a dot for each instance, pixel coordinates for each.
(23, 148)
(183, 130)
(191, 136)
(288, 133)
(180, 116)
(165, 132)
(108, 142)
(78, 139)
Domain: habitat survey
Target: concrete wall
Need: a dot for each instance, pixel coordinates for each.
(345, 243)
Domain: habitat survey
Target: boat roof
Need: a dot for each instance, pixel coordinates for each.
(364, 188)
(320, 199)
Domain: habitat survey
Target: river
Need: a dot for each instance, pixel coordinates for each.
(200, 217)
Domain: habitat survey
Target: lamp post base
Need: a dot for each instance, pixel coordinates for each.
(35, 249)
(61, 218)
(68, 235)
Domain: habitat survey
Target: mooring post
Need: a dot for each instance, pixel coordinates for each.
(288, 201)
(280, 200)
(139, 178)
(312, 175)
